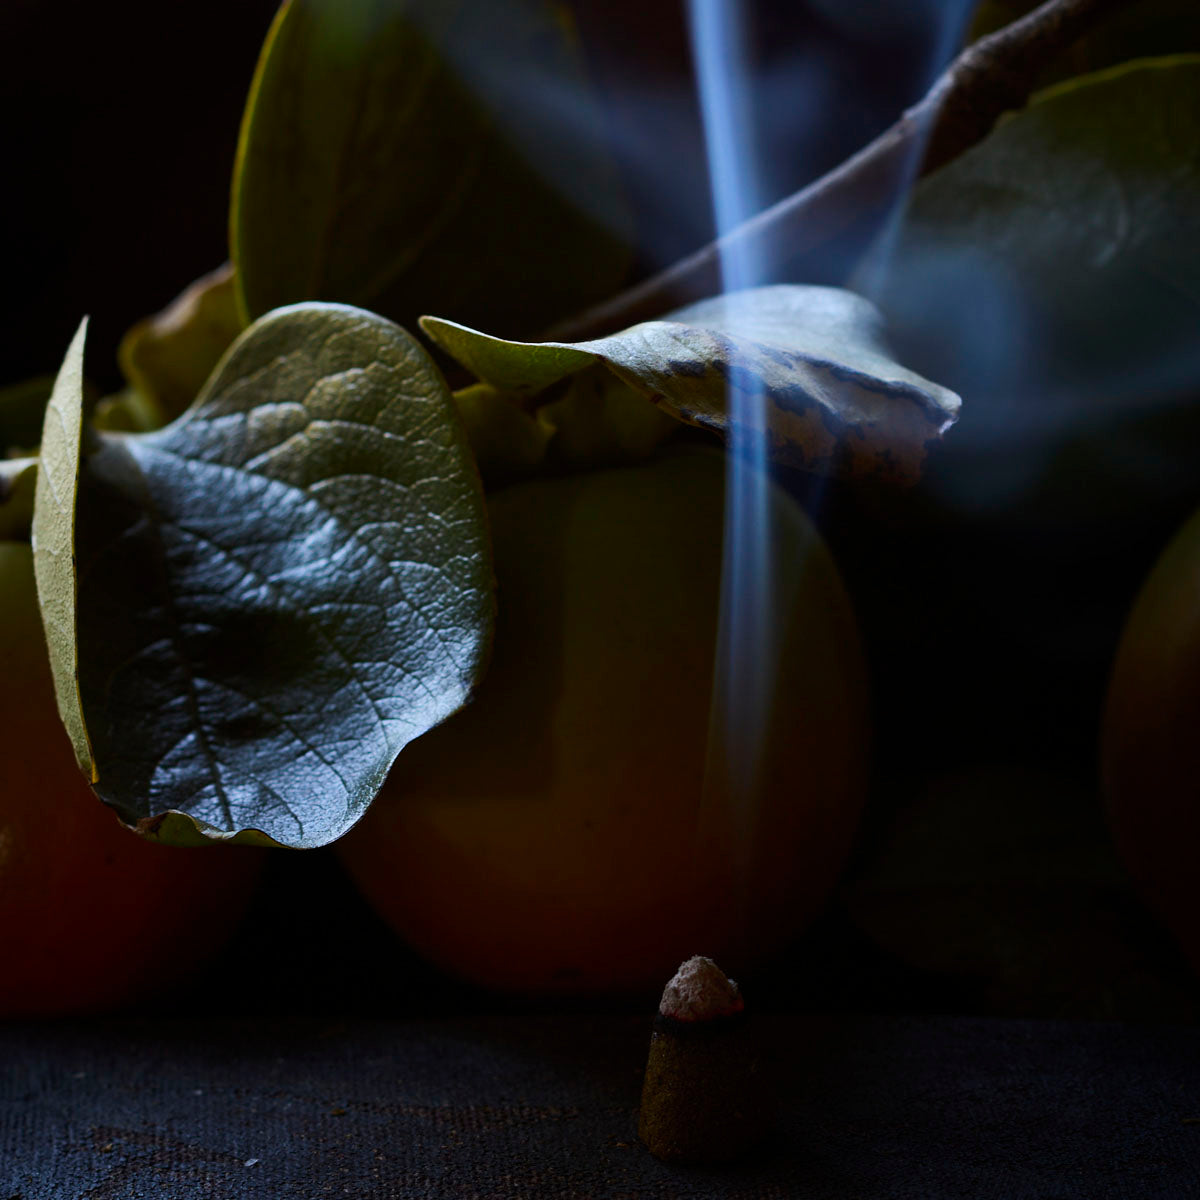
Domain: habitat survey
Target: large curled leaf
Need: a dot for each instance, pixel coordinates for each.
(1062, 255)
(53, 537)
(406, 154)
(832, 397)
(283, 588)
(1053, 273)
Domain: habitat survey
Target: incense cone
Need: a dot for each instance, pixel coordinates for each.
(705, 1098)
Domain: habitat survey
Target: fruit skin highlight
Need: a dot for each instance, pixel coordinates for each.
(549, 838)
(92, 916)
(1150, 744)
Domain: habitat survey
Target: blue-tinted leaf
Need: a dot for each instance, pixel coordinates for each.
(283, 588)
(833, 398)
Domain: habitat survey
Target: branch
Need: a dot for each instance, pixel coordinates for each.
(992, 76)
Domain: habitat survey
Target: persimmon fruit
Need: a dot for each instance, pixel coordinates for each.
(92, 916)
(1150, 742)
(573, 830)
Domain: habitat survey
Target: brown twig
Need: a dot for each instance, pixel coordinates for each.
(992, 76)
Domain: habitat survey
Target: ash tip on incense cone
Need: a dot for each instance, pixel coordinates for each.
(705, 1098)
(700, 991)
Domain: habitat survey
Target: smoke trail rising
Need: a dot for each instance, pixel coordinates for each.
(948, 22)
(750, 623)
(743, 670)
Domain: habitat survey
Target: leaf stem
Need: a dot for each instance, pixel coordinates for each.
(990, 77)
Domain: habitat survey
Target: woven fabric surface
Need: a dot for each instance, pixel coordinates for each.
(870, 1108)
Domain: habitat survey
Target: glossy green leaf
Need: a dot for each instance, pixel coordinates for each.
(284, 587)
(832, 397)
(414, 154)
(53, 537)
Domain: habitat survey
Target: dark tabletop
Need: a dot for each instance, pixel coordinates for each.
(536, 1106)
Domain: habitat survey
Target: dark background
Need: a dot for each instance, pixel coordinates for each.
(984, 881)
(120, 130)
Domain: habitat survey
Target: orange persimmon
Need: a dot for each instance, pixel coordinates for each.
(1150, 749)
(92, 916)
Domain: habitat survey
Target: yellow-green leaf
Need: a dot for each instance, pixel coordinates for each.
(408, 155)
(54, 541)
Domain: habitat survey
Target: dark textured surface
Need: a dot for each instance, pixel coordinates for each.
(875, 1108)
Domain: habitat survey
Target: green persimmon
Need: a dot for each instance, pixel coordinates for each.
(577, 828)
